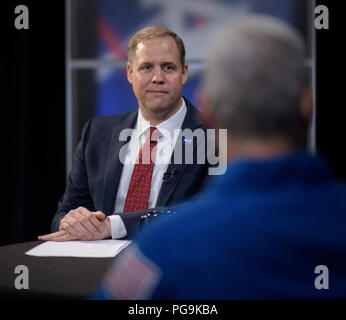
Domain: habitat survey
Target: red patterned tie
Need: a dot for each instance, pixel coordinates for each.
(139, 187)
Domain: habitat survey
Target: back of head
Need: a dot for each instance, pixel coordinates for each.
(255, 78)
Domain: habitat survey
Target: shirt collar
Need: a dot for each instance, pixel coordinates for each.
(166, 127)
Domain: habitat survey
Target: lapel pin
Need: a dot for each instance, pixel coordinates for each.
(187, 140)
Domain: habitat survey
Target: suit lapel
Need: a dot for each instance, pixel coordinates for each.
(114, 166)
(192, 122)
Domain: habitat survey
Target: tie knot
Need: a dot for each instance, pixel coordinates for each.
(153, 134)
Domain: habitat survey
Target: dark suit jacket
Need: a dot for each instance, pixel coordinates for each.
(94, 179)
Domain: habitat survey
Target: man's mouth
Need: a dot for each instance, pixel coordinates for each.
(157, 92)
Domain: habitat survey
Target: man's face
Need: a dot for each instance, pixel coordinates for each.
(157, 77)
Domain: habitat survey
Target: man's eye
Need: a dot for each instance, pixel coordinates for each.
(169, 68)
(146, 68)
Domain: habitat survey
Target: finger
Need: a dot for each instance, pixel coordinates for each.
(85, 222)
(71, 229)
(100, 215)
(97, 219)
(58, 236)
(101, 219)
(51, 236)
(92, 223)
(74, 226)
(83, 225)
(63, 220)
(85, 218)
(64, 237)
(68, 216)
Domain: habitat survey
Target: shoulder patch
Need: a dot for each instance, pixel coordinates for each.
(133, 277)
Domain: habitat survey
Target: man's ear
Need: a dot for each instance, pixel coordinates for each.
(129, 71)
(306, 104)
(185, 73)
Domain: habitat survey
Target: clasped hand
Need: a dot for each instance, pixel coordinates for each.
(81, 224)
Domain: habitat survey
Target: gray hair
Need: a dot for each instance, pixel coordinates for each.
(255, 77)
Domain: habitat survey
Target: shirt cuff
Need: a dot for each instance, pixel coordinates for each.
(118, 229)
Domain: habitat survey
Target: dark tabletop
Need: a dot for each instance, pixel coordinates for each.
(50, 277)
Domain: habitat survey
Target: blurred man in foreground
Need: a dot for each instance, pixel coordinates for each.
(273, 226)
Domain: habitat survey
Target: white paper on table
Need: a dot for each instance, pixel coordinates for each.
(84, 249)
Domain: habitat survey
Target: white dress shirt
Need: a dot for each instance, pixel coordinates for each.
(164, 149)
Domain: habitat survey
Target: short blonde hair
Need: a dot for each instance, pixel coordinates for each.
(153, 32)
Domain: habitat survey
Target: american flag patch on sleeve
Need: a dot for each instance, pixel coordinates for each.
(133, 277)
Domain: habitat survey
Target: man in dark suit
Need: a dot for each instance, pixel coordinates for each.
(111, 186)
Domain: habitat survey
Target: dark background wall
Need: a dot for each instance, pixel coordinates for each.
(331, 71)
(33, 119)
(33, 113)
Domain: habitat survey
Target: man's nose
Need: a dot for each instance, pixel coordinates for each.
(158, 77)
